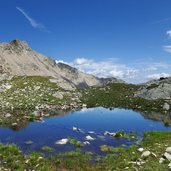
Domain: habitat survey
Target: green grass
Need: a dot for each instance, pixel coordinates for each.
(120, 95)
(75, 142)
(114, 158)
(47, 148)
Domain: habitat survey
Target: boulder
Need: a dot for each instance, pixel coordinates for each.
(167, 156)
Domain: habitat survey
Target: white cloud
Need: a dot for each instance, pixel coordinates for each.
(167, 48)
(150, 68)
(33, 22)
(169, 33)
(157, 76)
(81, 61)
(107, 68)
(112, 68)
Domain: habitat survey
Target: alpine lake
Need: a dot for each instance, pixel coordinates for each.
(87, 129)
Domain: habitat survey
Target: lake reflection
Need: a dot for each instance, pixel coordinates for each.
(98, 120)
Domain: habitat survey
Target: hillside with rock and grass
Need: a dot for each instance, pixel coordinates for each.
(31, 83)
(121, 95)
(157, 89)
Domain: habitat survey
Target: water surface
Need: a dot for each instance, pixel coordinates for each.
(99, 120)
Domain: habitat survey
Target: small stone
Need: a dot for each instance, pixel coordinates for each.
(145, 154)
(88, 137)
(27, 161)
(7, 115)
(62, 141)
(141, 149)
(109, 133)
(86, 143)
(14, 124)
(153, 154)
(74, 128)
(84, 106)
(161, 160)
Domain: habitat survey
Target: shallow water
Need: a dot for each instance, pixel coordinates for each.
(99, 120)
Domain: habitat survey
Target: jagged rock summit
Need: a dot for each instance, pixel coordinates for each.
(18, 59)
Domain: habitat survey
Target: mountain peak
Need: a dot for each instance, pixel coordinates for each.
(19, 44)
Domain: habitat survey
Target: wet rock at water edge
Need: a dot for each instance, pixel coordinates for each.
(86, 143)
(88, 137)
(109, 133)
(62, 141)
(77, 129)
(14, 124)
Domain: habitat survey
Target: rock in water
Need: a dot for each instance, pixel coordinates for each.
(88, 137)
(62, 141)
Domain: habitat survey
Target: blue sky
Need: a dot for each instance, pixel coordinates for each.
(129, 39)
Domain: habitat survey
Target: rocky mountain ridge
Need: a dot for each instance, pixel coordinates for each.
(18, 59)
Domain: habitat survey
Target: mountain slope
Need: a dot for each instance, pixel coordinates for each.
(156, 89)
(18, 59)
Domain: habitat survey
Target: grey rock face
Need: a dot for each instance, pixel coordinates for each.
(166, 106)
(159, 89)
